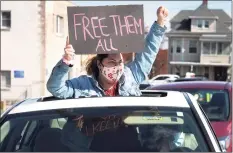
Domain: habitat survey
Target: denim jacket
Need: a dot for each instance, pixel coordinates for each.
(134, 73)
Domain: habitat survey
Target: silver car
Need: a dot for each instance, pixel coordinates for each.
(158, 122)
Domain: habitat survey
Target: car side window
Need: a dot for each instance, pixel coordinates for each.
(30, 129)
(26, 134)
(160, 78)
(4, 130)
(11, 135)
(22, 135)
(203, 97)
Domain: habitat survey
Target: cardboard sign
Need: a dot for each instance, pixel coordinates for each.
(100, 124)
(106, 29)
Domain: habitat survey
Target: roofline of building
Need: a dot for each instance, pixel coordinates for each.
(172, 20)
(215, 40)
(176, 33)
(182, 35)
(199, 64)
(214, 35)
(201, 38)
(203, 17)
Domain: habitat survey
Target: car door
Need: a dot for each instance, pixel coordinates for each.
(11, 136)
(204, 123)
(27, 133)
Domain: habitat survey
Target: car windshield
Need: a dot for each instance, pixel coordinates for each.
(113, 129)
(215, 103)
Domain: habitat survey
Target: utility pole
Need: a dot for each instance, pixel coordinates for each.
(43, 44)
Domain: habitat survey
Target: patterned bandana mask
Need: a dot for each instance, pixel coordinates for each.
(112, 74)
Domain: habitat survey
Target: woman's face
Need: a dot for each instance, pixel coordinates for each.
(111, 68)
(113, 60)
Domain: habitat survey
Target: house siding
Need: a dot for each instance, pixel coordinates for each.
(21, 49)
(55, 42)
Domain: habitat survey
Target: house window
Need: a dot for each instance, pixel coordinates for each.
(59, 24)
(206, 72)
(192, 46)
(206, 24)
(173, 45)
(206, 69)
(224, 48)
(5, 79)
(206, 47)
(203, 23)
(220, 47)
(194, 70)
(199, 23)
(5, 19)
(178, 47)
(213, 48)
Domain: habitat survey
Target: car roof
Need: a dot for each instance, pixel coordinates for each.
(31, 105)
(221, 85)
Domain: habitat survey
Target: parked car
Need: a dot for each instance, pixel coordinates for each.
(115, 124)
(145, 84)
(189, 75)
(163, 78)
(215, 97)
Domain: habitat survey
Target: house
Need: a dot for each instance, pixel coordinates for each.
(160, 65)
(33, 38)
(56, 32)
(200, 42)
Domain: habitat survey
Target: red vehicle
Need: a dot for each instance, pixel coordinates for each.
(216, 100)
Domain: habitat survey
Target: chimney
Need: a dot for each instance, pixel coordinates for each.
(205, 2)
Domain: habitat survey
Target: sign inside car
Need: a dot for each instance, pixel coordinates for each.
(100, 124)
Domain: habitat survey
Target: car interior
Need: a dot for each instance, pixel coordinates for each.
(45, 136)
(216, 108)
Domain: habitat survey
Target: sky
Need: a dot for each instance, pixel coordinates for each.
(173, 7)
